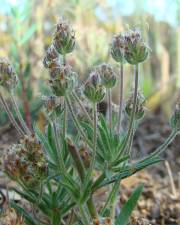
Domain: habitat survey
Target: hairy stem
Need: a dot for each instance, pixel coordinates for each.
(64, 59)
(76, 122)
(21, 120)
(131, 138)
(11, 117)
(110, 108)
(111, 198)
(94, 139)
(64, 121)
(133, 111)
(60, 157)
(82, 107)
(121, 84)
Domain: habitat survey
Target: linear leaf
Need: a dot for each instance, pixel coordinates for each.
(129, 206)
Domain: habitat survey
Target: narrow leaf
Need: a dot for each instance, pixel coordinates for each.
(129, 206)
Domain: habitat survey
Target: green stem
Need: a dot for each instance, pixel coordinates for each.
(94, 139)
(111, 198)
(11, 117)
(64, 121)
(81, 171)
(121, 84)
(60, 157)
(83, 215)
(114, 201)
(21, 120)
(110, 108)
(131, 137)
(76, 122)
(64, 59)
(133, 111)
(82, 107)
(92, 208)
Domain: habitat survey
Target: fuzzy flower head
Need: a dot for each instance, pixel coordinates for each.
(108, 77)
(8, 77)
(52, 62)
(136, 50)
(10, 217)
(64, 82)
(140, 108)
(52, 104)
(117, 48)
(64, 37)
(93, 89)
(26, 162)
(175, 120)
(51, 57)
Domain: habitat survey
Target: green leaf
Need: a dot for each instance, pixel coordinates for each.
(127, 172)
(129, 206)
(71, 186)
(28, 34)
(86, 191)
(26, 196)
(46, 144)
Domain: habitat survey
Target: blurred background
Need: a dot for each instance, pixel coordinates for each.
(26, 29)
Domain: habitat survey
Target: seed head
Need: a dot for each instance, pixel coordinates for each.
(140, 109)
(26, 162)
(136, 51)
(108, 78)
(50, 57)
(64, 38)
(52, 104)
(8, 77)
(117, 48)
(64, 82)
(93, 88)
(10, 217)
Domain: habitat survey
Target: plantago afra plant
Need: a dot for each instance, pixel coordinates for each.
(58, 171)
